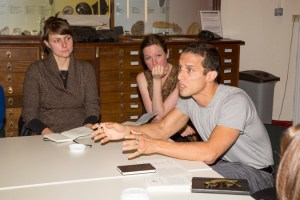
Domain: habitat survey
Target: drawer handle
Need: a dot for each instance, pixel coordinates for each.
(121, 106)
(228, 50)
(134, 117)
(121, 85)
(121, 96)
(227, 70)
(227, 81)
(9, 66)
(121, 52)
(42, 54)
(121, 75)
(10, 90)
(227, 60)
(9, 78)
(134, 53)
(121, 64)
(8, 54)
(134, 63)
(10, 101)
(133, 85)
(134, 96)
(11, 115)
(135, 106)
(11, 124)
(121, 118)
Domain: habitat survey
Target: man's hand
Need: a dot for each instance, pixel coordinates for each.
(142, 143)
(109, 131)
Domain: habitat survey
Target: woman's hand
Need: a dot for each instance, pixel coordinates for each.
(109, 131)
(188, 131)
(158, 72)
(46, 131)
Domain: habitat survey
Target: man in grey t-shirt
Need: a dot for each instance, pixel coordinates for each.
(235, 142)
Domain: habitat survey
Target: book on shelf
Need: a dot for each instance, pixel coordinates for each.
(69, 135)
(220, 186)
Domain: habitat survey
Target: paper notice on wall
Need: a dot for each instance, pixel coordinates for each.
(211, 21)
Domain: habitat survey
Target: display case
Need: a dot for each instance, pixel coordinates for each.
(136, 17)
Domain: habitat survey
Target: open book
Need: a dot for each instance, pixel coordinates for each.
(69, 135)
(142, 120)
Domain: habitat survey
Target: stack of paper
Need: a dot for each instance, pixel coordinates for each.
(178, 183)
(169, 176)
(142, 120)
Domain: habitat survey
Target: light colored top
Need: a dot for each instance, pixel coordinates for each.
(232, 107)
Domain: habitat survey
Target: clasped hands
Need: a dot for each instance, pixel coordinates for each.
(134, 141)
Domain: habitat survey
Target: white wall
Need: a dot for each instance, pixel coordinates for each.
(267, 43)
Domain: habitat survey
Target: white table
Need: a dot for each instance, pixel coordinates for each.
(36, 169)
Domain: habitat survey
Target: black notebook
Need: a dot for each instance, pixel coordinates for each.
(220, 186)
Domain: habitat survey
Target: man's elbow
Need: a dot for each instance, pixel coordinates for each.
(210, 158)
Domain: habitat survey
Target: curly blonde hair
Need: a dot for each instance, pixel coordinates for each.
(287, 179)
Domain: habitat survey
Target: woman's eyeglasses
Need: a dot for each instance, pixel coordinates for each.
(217, 182)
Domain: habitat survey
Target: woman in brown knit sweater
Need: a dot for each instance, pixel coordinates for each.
(60, 92)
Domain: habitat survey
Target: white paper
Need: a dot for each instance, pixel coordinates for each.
(142, 120)
(211, 21)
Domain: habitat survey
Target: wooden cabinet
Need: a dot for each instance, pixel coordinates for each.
(14, 60)
(119, 97)
(116, 65)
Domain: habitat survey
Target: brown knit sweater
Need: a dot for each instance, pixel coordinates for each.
(46, 99)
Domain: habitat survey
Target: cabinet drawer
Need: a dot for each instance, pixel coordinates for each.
(11, 127)
(13, 113)
(120, 107)
(229, 79)
(12, 90)
(229, 70)
(12, 78)
(228, 50)
(120, 64)
(120, 117)
(84, 53)
(118, 86)
(118, 97)
(14, 66)
(175, 51)
(19, 53)
(14, 101)
(122, 75)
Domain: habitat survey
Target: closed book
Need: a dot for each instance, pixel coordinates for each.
(220, 186)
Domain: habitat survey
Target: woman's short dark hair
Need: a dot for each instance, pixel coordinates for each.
(55, 25)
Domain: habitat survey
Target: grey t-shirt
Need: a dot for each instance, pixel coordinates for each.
(232, 107)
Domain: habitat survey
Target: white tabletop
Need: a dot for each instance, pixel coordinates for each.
(36, 169)
(28, 161)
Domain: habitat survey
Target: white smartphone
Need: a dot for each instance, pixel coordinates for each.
(136, 169)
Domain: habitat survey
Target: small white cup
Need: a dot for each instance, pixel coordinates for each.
(134, 194)
(77, 148)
